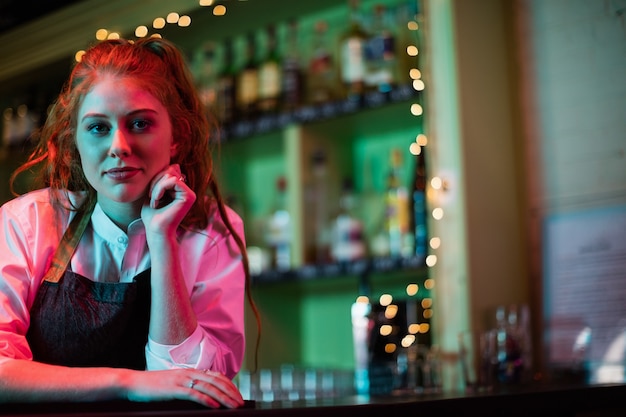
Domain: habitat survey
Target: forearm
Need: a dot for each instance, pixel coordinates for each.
(29, 381)
(172, 319)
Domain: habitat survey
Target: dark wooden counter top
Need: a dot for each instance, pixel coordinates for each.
(531, 400)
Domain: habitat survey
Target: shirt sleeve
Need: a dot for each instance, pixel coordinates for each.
(215, 275)
(14, 285)
(26, 247)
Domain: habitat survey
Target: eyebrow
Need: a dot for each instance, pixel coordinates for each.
(130, 114)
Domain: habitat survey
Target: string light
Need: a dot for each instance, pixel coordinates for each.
(407, 340)
(416, 109)
(141, 31)
(418, 85)
(79, 56)
(184, 21)
(158, 23)
(412, 289)
(172, 18)
(101, 34)
(416, 148)
(385, 300)
(415, 74)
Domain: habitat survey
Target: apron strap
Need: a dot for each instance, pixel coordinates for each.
(68, 245)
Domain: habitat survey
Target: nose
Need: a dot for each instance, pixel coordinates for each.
(120, 146)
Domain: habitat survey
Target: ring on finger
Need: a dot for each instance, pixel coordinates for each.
(193, 383)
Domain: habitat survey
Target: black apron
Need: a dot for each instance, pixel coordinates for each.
(77, 322)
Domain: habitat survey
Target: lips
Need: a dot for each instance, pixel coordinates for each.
(121, 174)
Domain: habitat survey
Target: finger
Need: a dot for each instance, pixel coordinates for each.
(223, 382)
(214, 396)
(191, 389)
(221, 389)
(166, 183)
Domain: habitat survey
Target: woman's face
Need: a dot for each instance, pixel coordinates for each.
(124, 138)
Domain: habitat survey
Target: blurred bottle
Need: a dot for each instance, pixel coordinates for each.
(278, 231)
(248, 81)
(397, 207)
(352, 46)
(320, 199)
(270, 76)
(381, 53)
(293, 76)
(418, 205)
(347, 243)
(322, 77)
(226, 86)
(205, 75)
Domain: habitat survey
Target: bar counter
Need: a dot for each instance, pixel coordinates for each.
(531, 400)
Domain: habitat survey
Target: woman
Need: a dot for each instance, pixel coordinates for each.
(124, 278)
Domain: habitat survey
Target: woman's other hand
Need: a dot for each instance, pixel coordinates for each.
(208, 388)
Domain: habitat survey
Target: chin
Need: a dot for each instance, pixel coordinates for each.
(125, 198)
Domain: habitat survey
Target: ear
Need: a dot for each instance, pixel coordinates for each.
(173, 149)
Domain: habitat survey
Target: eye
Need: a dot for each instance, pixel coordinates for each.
(140, 125)
(98, 129)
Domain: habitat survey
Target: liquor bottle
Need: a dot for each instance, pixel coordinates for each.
(205, 76)
(320, 199)
(226, 86)
(396, 207)
(322, 77)
(381, 53)
(248, 81)
(270, 83)
(418, 204)
(278, 230)
(352, 46)
(293, 76)
(347, 243)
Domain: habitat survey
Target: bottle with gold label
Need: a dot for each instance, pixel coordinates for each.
(322, 75)
(270, 76)
(396, 207)
(248, 81)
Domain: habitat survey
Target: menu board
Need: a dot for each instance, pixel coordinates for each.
(585, 291)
